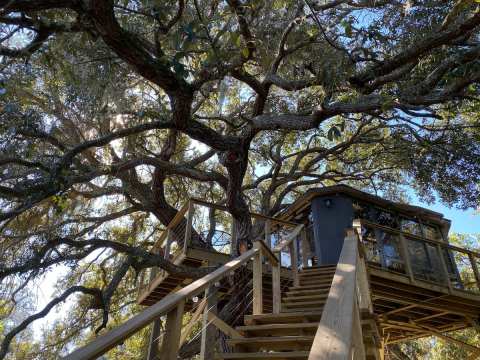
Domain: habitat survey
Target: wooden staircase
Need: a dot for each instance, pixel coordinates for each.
(289, 334)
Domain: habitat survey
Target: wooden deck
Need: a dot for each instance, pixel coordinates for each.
(408, 311)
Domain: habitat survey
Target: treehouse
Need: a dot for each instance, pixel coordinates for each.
(340, 274)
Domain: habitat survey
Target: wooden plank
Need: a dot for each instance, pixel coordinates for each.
(294, 261)
(195, 318)
(365, 300)
(462, 344)
(333, 339)
(289, 238)
(268, 239)
(475, 269)
(305, 248)
(207, 346)
(103, 343)
(254, 215)
(421, 239)
(153, 346)
(276, 290)
(446, 275)
(257, 280)
(358, 345)
(272, 258)
(175, 221)
(223, 326)
(173, 328)
(406, 258)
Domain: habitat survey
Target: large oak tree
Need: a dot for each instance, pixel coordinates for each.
(113, 113)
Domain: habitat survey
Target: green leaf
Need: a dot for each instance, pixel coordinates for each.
(245, 52)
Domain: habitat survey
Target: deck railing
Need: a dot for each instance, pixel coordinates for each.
(199, 224)
(172, 306)
(419, 258)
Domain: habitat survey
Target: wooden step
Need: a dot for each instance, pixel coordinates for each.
(315, 277)
(324, 285)
(282, 318)
(307, 309)
(317, 272)
(322, 267)
(295, 293)
(272, 343)
(297, 355)
(303, 305)
(279, 329)
(303, 298)
(314, 281)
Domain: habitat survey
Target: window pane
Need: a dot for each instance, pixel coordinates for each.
(411, 227)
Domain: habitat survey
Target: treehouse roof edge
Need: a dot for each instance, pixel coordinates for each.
(412, 210)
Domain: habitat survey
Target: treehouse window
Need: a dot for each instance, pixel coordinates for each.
(375, 215)
(431, 232)
(411, 227)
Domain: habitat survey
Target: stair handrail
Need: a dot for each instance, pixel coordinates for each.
(339, 333)
(172, 305)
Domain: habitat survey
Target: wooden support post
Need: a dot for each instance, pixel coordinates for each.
(223, 326)
(276, 290)
(153, 345)
(294, 261)
(194, 319)
(257, 280)
(358, 346)
(173, 330)
(207, 347)
(444, 268)
(233, 241)
(364, 299)
(406, 258)
(305, 247)
(268, 228)
(475, 269)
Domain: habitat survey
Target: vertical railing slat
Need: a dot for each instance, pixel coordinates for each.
(268, 230)
(475, 269)
(444, 268)
(294, 261)
(276, 289)
(257, 281)
(305, 248)
(406, 258)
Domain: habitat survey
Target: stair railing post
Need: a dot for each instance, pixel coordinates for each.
(305, 248)
(294, 261)
(207, 347)
(257, 280)
(443, 264)
(188, 228)
(173, 331)
(276, 290)
(473, 262)
(268, 229)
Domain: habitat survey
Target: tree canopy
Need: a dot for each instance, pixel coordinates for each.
(114, 112)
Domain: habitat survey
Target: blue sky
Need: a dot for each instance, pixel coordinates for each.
(463, 221)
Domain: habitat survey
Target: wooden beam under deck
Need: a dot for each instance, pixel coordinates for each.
(429, 306)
